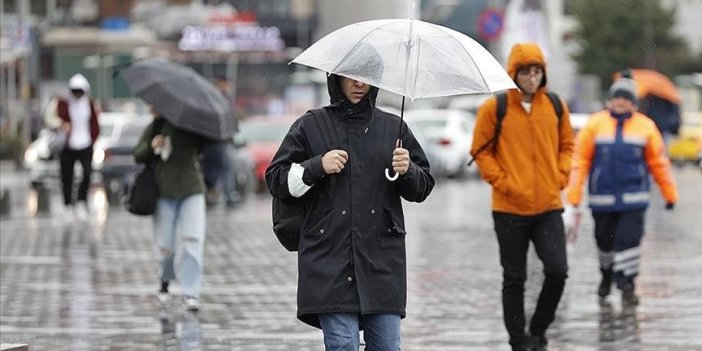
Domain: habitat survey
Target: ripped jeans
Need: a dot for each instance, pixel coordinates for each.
(179, 232)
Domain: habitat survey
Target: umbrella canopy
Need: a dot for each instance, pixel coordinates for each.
(409, 57)
(182, 96)
(650, 82)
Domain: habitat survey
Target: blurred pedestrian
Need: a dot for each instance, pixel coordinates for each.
(351, 256)
(179, 221)
(217, 165)
(616, 151)
(77, 115)
(525, 156)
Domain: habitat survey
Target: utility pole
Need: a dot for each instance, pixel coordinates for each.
(649, 52)
(23, 14)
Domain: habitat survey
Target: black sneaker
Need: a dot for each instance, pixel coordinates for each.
(538, 343)
(524, 345)
(629, 298)
(605, 285)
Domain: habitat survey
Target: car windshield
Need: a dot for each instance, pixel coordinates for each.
(263, 132)
(106, 130)
(131, 134)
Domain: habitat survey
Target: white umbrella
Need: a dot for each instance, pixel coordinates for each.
(409, 57)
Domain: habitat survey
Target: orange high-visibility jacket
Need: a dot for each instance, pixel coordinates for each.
(531, 162)
(617, 155)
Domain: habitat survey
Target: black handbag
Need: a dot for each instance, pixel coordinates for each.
(142, 192)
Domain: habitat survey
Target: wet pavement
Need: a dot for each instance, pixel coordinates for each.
(91, 286)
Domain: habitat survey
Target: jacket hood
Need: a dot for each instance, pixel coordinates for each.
(525, 54)
(78, 81)
(337, 98)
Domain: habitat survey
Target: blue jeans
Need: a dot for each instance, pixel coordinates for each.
(179, 232)
(381, 332)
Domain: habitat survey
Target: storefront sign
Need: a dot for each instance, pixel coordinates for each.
(231, 38)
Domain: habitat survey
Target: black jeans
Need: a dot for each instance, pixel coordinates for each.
(547, 233)
(68, 161)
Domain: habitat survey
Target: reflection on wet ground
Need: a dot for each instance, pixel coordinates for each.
(180, 331)
(91, 286)
(618, 328)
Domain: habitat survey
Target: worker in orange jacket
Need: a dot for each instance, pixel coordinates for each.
(617, 150)
(526, 156)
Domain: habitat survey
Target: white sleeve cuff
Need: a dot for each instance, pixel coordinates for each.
(296, 186)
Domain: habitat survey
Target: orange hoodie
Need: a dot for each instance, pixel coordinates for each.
(531, 163)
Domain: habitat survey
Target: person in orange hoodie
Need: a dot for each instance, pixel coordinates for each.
(616, 150)
(527, 162)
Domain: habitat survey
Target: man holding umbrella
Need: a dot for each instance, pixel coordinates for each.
(351, 256)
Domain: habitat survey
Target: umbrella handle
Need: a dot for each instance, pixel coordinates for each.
(393, 178)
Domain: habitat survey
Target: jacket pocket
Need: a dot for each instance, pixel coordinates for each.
(392, 234)
(320, 227)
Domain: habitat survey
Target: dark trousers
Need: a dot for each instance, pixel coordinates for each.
(68, 161)
(618, 236)
(547, 233)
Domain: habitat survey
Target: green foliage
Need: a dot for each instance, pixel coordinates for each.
(615, 34)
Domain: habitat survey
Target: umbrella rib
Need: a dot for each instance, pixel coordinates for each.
(416, 69)
(354, 46)
(471, 58)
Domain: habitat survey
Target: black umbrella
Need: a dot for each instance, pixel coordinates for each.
(182, 96)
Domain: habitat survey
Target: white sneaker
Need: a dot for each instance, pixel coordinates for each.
(68, 214)
(82, 213)
(191, 304)
(164, 298)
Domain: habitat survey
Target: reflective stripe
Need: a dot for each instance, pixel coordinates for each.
(635, 140)
(606, 259)
(627, 254)
(641, 196)
(602, 200)
(604, 140)
(296, 186)
(631, 264)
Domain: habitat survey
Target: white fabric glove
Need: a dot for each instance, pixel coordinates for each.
(572, 216)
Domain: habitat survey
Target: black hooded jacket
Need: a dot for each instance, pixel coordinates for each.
(351, 256)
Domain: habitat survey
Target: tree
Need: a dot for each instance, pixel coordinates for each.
(615, 34)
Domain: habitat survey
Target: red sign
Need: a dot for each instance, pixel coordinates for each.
(490, 23)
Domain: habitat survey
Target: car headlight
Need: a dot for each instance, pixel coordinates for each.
(31, 155)
(98, 156)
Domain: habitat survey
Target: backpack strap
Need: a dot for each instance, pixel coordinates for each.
(500, 115)
(501, 112)
(557, 106)
(326, 127)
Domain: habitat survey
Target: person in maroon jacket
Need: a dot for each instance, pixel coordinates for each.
(79, 119)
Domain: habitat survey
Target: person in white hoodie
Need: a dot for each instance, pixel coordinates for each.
(78, 117)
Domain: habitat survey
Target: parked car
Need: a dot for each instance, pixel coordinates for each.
(113, 160)
(446, 136)
(261, 137)
(687, 146)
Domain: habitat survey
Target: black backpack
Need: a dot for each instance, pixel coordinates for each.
(288, 215)
(502, 111)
